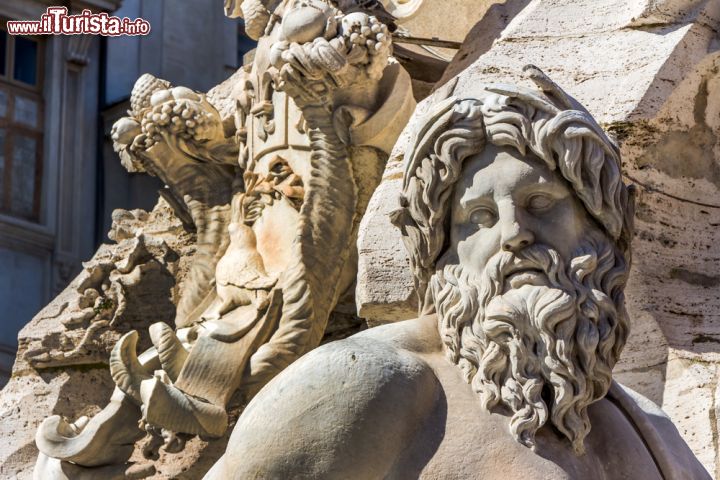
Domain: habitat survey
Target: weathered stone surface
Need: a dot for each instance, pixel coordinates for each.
(690, 399)
(385, 290)
(430, 19)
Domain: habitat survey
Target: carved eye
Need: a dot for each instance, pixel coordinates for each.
(483, 216)
(540, 202)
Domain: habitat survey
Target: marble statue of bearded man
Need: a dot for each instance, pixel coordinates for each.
(518, 228)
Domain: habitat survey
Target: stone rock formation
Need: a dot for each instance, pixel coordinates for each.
(63, 355)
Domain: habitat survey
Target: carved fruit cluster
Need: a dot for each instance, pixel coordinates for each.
(366, 42)
(177, 118)
(358, 50)
(366, 31)
(179, 112)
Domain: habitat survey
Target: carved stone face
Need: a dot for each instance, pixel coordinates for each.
(528, 269)
(507, 202)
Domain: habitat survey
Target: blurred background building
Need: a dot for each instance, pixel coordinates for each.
(59, 96)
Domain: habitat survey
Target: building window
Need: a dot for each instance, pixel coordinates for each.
(21, 123)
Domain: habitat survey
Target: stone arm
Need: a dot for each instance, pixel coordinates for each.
(346, 410)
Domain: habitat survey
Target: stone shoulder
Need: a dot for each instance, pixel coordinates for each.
(381, 354)
(355, 403)
(670, 451)
(418, 335)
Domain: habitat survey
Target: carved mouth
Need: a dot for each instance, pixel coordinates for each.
(524, 273)
(521, 266)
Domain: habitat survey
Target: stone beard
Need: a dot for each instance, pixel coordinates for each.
(541, 350)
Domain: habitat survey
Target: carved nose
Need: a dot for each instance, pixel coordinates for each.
(515, 235)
